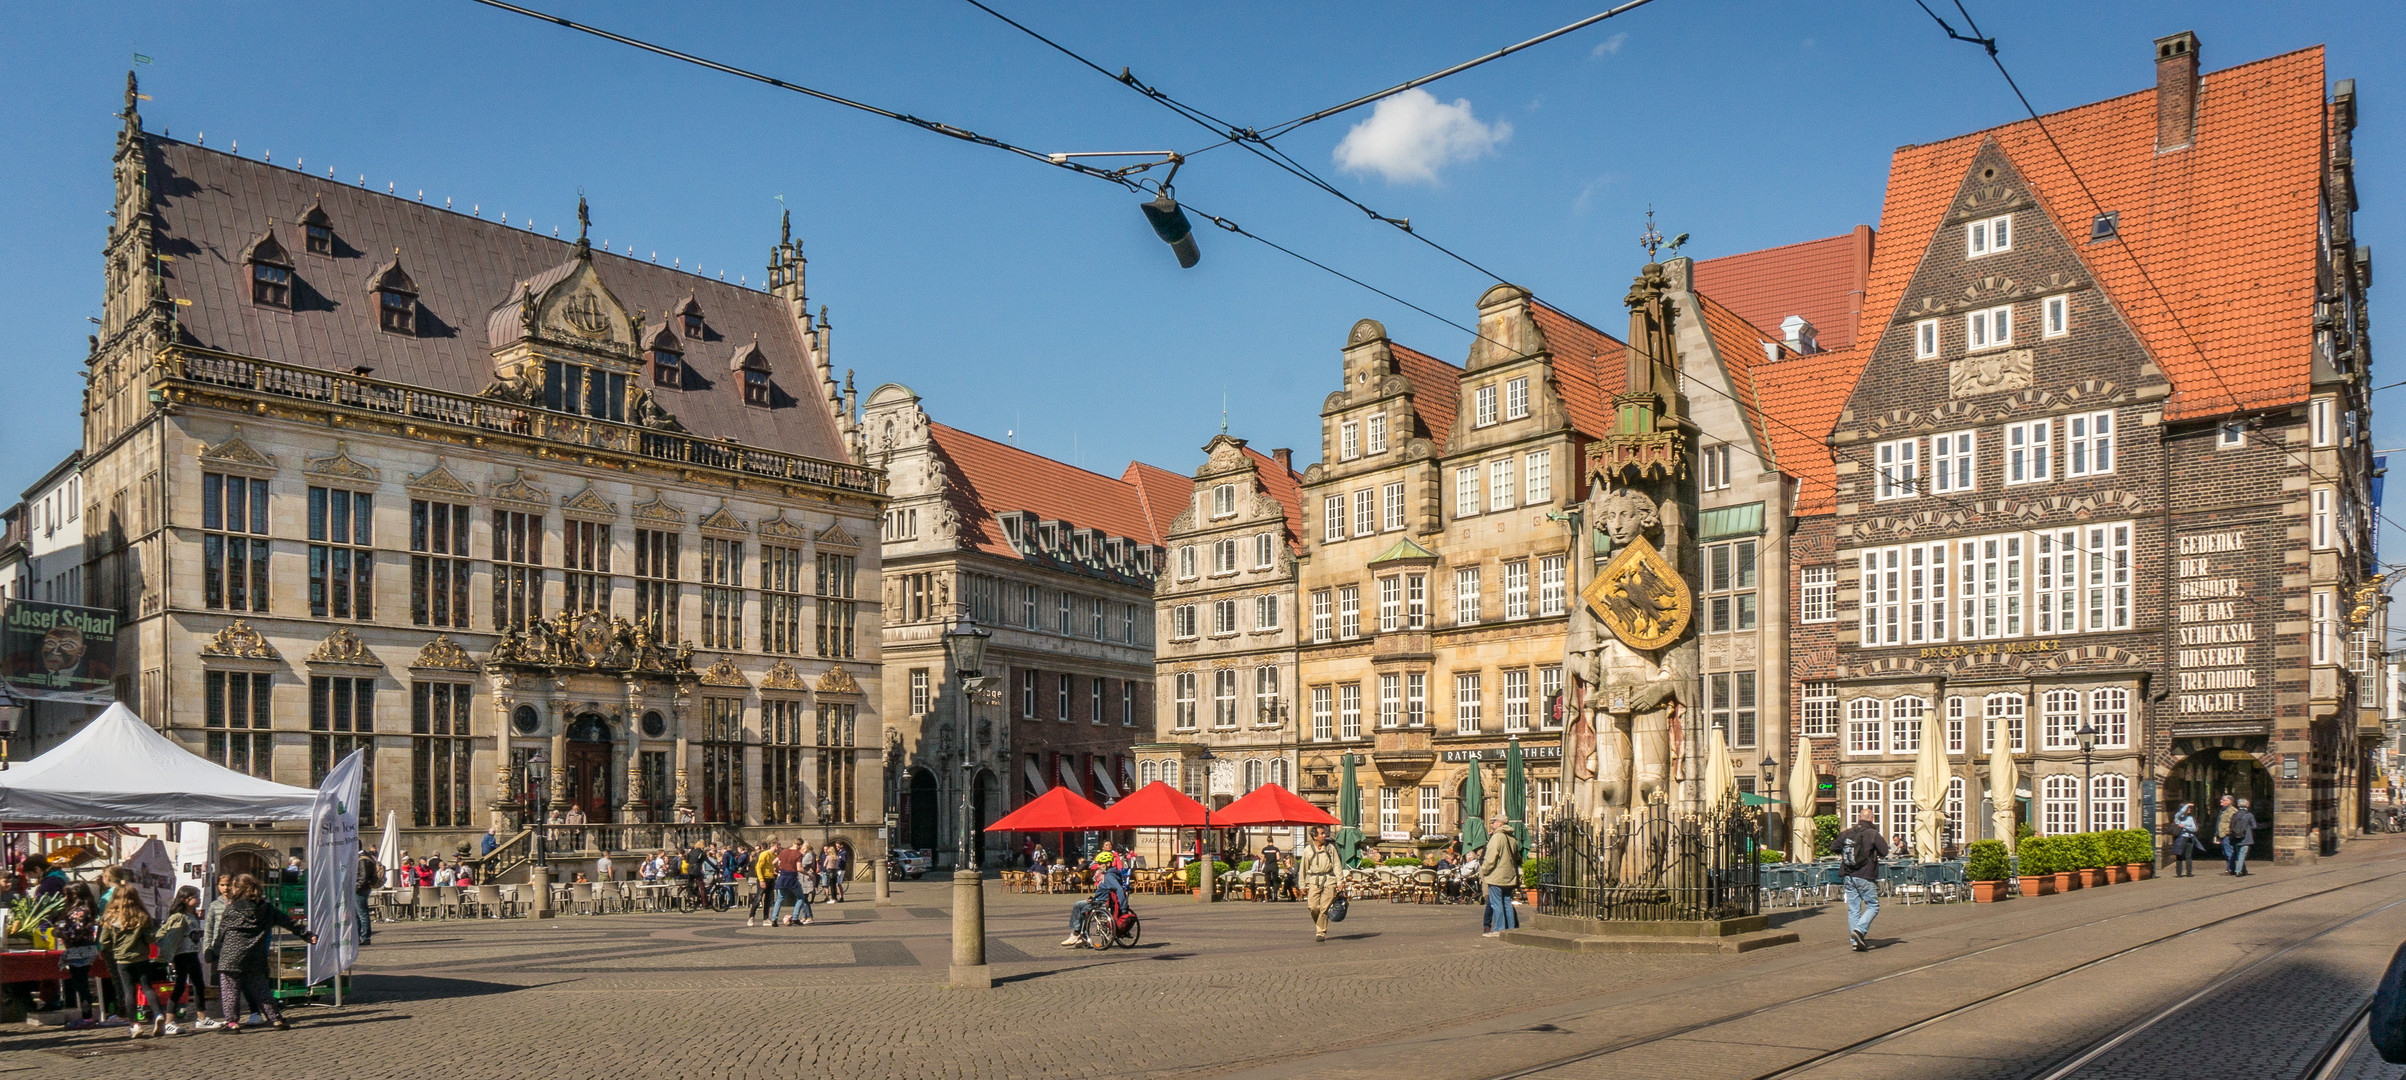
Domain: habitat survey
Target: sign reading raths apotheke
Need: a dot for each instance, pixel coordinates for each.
(58, 652)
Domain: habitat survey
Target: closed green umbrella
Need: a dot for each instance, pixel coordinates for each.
(1474, 811)
(1516, 795)
(1349, 814)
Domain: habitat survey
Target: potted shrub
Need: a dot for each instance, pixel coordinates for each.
(2113, 853)
(2063, 863)
(2138, 854)
(1826, 828)
(1194, 875)
(1986, 865)
(2092, 865)
(2038, 867)
(1535, 873)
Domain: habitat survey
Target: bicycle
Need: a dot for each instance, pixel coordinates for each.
(1111, 923)
(696, 896)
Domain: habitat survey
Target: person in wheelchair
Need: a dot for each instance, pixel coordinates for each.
(1110, 893)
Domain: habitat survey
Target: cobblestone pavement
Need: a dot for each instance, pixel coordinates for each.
(1240, 990)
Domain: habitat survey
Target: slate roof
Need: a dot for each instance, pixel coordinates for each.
(2227, 229)
(210, 206)
(988, 478)
(1815, 279)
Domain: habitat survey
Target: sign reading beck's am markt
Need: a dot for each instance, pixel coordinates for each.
(58, 652)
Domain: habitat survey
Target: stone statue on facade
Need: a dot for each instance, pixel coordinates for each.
(1626, 704)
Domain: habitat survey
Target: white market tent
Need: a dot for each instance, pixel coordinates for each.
(117, 770)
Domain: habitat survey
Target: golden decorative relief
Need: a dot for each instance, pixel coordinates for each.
(589, 501)
(520, 491)
(723, 521)
(341, 465)
(239, 642)
(1641, 597)
(778, 528)
(834, 536)
(440, 481)
(837, 681)
(343, 647)
(445, 654)
(782, 676)
(658, 509)
(723, 673)
(237, 453)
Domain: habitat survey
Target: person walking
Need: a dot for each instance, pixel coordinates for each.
(179, 941)
(1860, 850)
(2243, 835)
(369, 875)
(242, 954)
(1499, 869)
(764, 871)
(1269, 872)
(127, 933)
(2222, 835)
(2184, 840)
(832, 863)
(213, 927)
(1316, 871)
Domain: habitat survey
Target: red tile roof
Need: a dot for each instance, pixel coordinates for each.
(1815, 279)
(2227, 230)
(1740, 344)
(991, 477)
(1162, 495)
(1801, 399)
(1436, 389)
(1284, 485)
(1588, 368)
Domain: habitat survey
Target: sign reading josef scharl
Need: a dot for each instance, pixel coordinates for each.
(58, 652)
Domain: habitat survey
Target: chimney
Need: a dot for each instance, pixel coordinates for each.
(1854, 296)
(1800, 335)
(2175, 91)
(1285, 457)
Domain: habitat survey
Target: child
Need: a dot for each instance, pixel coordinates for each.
(180, 942)
(127, 933)
(79, 936)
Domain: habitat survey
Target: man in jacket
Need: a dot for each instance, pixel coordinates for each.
(1860, 850)
(2223, 824)
(370, 876)
(2243, 835)
(1499, 869)
(1316, 870)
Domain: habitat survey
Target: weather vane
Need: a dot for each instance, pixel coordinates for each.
(1651, 239)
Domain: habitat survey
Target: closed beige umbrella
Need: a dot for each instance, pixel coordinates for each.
(2002, 780)
(1801, 785)
(1929, 786)
(1720, 776)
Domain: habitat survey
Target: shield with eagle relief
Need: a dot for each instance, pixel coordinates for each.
(1641, 597)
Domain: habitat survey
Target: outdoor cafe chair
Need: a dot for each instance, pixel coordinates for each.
(488, 901)
(446, 900)
(580, 898)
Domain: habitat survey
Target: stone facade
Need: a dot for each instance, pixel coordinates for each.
(549, 595)
(1059, 565)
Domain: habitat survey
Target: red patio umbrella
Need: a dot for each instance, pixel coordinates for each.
(1270, 804)
(1057, 810)
(1153, 806)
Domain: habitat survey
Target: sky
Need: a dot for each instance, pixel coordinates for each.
(1025, 302)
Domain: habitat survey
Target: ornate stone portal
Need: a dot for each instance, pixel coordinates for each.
(1630, 652)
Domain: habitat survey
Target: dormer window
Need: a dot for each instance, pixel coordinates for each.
(755, 371)
(271, 285)
(320, 239)
(397, 311)
(756, 388)
(689, 316)
(693, 326)
(668, 367)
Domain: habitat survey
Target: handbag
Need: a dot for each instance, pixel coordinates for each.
(1336, 909)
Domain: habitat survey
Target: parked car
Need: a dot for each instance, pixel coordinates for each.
(913, 864)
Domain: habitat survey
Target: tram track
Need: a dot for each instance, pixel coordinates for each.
(1820, 1060)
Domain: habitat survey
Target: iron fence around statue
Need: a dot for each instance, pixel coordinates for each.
(1653, 866)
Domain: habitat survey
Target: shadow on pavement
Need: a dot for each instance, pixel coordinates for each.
(384, 988)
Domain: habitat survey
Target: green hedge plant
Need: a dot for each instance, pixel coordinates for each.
(1826, 828)
(1986, 861)
(1194, 872)
(2138, 846)
(2038, 856)
(1533, 872)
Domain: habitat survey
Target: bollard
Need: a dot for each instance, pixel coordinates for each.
(969, 931)
(885, 884)
(539, 879)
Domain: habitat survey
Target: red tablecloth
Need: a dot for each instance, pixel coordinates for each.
(34, 965)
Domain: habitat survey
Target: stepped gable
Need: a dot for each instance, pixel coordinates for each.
(1814, 279)
(2227, 227)
(988, 477)
(211, 206)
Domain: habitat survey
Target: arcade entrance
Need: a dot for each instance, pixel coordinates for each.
(2206, 775)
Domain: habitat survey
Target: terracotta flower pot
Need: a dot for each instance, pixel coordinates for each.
(2066, 881)
(1534, 894)
(1987, 892)
(2117, 874)
(2141, 871)
(2037, 885)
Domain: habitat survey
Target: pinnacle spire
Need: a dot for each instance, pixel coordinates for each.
(584, 225)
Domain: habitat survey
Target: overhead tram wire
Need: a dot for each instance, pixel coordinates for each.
(1266, 150)
(2097, 207)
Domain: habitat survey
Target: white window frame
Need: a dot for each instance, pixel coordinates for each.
(1323, 715)
(2322, 426)
(1956, 725)
(1391, 498)
(2055, 316)
(1365, 512)
(1817, 704)
(1265, 551)
(2109, 802)
(1265, 612)
(1818, 601)
(1186, 566)
(2231, 434)
(1470, 703)
(1349, 710)
(1501, 485)
(2109, 714)
(1988, 328)
(1988, 236)
(2325, 532)
(1223, 500)
(1904, 724)
(2089, 444)
(1553, 594)
(1332, 518)
(1390, 699)
(1866, 727)
(1183, 696)
(1955, 461)
(2059, 804)
(1374, 435)
(1324, 615)
(1390, 603)
(1483, 406)
(1925, 339)
(2014, 711)
(1466, 491)
(1349, 441)
(1516, 589)
(1516, 398)
(1714, 472)
(2030, 452)
(1516, 700)
(1466, 596)
(1897, 469)
(1538, 478)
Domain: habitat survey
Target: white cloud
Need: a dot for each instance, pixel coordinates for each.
(1409, 136)
(1610, 46)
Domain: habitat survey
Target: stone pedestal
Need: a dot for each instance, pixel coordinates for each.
(969, 968)
(1744, 934)
(885, 883)
(539, 879)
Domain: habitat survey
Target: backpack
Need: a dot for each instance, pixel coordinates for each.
(2386, 1024)
(1853, 856)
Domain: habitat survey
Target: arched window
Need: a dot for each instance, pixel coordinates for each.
(2109, 801)
(1904, 724)
(1150, 772)
(1278, 774)
(2059, 720)
(1862, 793)
(1863, 722)
(2002, 716)
(2109, 713)
(2059, 805)
(1169, 773)
(1955, 725)
(1253, 773)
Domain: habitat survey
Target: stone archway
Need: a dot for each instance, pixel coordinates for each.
(2210, 772)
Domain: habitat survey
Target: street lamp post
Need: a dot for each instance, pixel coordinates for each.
(1203, 854)
(2088, 758)
(965, 650)
(1770, 790)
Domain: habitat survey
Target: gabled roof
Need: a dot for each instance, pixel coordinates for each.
(1588, 368)
(2227, 229)
(988, 478)
(1815, 279)
(1801, 399)
(1741, 345)
(1162, 494)
(209, 206)
(1436, 389)
(1284, 485)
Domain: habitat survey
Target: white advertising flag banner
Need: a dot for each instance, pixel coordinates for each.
(334, 871)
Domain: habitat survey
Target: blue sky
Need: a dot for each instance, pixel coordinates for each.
(1016, 297)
